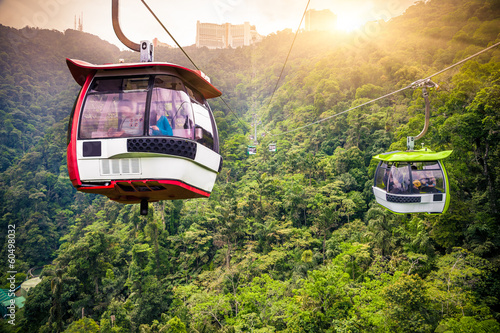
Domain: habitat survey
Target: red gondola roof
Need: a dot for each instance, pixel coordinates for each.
(81, 69)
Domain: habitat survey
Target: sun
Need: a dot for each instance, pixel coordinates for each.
(349, 22)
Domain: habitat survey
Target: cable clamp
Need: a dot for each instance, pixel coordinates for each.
(424, 83)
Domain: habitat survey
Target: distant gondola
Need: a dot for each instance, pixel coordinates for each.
(142, 132)
(412, 182)
(251, 150)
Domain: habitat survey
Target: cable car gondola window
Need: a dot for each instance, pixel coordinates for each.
(195, 95)
(382, 175)
(410, 177)
(114, 108)
(203, 128)
(428, 177)
(170, 112)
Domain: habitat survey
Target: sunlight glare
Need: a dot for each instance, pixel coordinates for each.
(349, 21)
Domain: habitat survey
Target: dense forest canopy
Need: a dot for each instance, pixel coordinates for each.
(289, 241)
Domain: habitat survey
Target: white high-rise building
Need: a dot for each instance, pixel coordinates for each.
(220, 36)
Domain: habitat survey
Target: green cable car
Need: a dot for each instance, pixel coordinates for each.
(412, 182)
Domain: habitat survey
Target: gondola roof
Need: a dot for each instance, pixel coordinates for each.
(413, 156)
(81, 69)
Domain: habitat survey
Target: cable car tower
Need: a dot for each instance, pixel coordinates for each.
(142, 132)
(414, 181)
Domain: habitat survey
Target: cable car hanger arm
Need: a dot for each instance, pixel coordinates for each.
(118, 31)
(145, 47)
(426, 83)
(187, 56)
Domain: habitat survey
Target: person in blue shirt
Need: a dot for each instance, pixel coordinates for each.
(162, 127)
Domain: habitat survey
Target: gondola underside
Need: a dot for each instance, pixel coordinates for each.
(431, 203)
(133, 191)
(129, 177)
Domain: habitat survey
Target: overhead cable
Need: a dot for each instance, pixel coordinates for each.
(345, 111)
(192, 62)
(164, 28)
(464, 60)
(412, 85)
(288, 55)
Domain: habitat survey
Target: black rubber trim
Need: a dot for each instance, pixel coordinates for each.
(167, 146)
(402, 198)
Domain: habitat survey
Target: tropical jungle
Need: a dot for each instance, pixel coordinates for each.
(290, 240)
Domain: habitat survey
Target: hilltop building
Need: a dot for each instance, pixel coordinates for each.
(320, 20)
(223, 36)
(156, 43)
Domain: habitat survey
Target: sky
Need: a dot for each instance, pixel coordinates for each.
(180, 17)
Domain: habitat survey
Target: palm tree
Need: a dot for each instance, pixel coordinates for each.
(380, 229)
(56, 287)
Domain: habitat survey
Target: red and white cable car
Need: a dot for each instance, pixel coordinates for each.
(142, 132)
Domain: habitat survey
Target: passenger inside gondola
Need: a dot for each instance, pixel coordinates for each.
(410, 178)
(130, 123)
(171, 112)
(429, 183)
(416, 186)
(415, 176)
(161, 126)
(396, 181)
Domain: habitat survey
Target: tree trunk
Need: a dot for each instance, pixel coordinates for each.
(487, 174)
(228, 256)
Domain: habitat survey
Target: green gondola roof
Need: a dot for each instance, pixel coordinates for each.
(413, 156)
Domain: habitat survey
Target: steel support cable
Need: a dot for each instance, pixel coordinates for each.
(345, 111)
(288, 55)
(164, 28)
(413, 85)
(180, 47)
(464, 60)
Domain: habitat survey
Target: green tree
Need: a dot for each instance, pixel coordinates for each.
(83, 325)
(408, 305)
(380, 225)
(56, 286)
(454, 283)
(468, 325)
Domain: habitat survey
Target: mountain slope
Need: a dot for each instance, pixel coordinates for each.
(291, 240)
